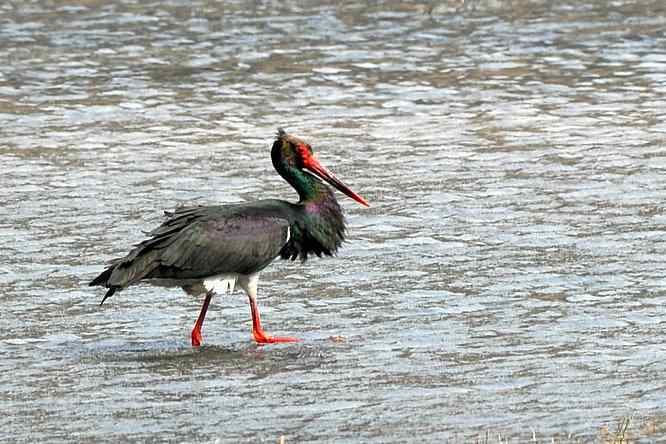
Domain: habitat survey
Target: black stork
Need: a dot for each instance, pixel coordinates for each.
(209, 249)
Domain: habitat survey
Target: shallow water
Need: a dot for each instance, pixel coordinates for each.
(507, 279)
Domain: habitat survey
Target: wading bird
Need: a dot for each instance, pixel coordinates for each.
(209, 249)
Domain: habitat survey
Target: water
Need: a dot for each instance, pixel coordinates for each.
(508, 278)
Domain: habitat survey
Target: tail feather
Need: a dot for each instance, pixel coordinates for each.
(142, 261)
(103, 278)
(108, 294)
(122, 272)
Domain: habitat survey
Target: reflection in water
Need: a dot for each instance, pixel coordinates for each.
(508, 276)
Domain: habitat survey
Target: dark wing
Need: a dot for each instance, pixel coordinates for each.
(239, 244)
(198, 242)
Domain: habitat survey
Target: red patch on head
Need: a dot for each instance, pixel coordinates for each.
(304, 153)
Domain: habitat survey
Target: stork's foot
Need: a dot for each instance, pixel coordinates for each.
(261, 337)
(196, 331)
(197, 340)
(258, 333)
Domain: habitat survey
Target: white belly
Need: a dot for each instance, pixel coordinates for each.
(219, 284)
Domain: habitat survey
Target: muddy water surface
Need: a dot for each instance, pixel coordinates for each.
(508, 278)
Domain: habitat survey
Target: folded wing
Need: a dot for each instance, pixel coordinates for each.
(200, 242)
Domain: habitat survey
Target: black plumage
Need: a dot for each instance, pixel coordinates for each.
(197, 243)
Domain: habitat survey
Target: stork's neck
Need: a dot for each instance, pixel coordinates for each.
(310, 189)
(320, 226)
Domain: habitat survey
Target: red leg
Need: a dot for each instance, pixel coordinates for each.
(258, 333)
(196, 331)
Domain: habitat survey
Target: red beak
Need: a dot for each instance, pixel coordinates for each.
(313, 165)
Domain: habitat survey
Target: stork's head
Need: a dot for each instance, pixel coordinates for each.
(292, 156)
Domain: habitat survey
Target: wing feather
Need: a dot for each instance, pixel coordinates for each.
(198, 242)
(206, 247)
